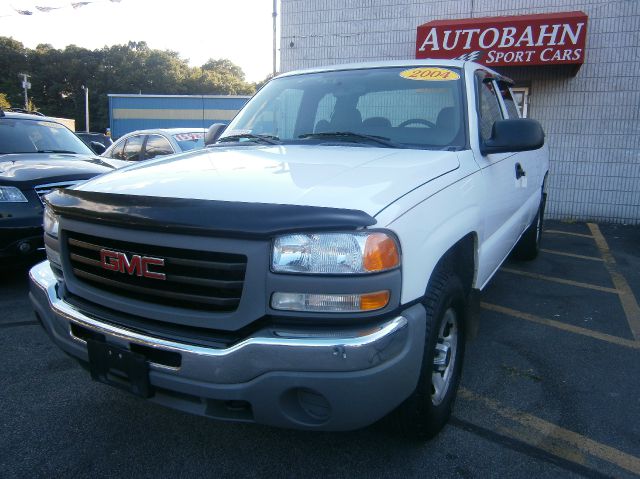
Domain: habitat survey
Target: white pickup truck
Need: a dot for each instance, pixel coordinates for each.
(315, 266)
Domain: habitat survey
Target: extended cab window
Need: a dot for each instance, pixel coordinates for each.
(412, 107)
(490, 111)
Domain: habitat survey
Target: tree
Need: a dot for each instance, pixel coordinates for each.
(4, 103)
(224, 66)
(266, 80)
(13, 60)
(57, 76)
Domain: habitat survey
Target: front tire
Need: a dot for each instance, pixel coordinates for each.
(427, 410)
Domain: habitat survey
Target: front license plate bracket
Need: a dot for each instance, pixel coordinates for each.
(119, 367)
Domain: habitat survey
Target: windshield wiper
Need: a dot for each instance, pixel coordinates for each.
(348, 135)
(269, 139)
(57, 151)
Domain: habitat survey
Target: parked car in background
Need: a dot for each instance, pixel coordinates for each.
(146, 144)
(37, 154)
(90, 137)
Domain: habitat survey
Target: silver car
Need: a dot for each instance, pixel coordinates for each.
(145, 144)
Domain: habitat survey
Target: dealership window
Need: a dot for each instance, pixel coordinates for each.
(521, 97)
(509, 102)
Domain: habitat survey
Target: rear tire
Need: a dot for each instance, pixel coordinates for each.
(528, 246)
(427, 410)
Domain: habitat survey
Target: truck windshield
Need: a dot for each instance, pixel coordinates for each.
(410, 107)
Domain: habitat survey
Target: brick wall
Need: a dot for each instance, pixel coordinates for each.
(592, 120)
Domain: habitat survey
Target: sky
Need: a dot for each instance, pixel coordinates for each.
(239, 30)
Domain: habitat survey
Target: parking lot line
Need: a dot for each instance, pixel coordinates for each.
(627, 298)
(570, 233)
(560, 280)
(553, 438)
(570, 255)
(628, 343)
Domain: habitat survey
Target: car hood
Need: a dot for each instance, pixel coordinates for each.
(28, 169)
(363, 178)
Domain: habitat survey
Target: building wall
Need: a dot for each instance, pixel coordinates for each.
(592, 120)
(142, 112)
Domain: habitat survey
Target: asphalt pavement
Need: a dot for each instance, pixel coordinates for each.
(550, 389)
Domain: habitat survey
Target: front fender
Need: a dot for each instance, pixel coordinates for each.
(436, 222)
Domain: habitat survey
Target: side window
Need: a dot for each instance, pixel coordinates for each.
(509, 102)
(132, 148)
(490, 111)
(157, 146)
(118, 151)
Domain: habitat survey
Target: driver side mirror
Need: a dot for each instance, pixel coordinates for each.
(510, 136)
(213, 133)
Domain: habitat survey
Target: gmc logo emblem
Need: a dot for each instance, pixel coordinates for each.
(138, 265)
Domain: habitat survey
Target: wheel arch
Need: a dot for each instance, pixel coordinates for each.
(462, 260)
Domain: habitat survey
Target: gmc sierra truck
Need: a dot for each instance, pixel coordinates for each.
(316, 265)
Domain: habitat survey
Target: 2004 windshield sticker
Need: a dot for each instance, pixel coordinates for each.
(429, 74)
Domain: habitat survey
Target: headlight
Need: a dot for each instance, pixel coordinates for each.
(335, 253)
(11, 194)
(50, 222)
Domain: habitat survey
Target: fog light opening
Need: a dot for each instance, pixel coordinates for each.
(306, 406)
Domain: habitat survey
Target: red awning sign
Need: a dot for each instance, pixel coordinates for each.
(545, 39)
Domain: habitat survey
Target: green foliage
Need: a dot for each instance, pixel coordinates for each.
(266, 80)
(31, 106)
(57, 77)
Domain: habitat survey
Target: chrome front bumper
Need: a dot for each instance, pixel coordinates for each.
(361, 373)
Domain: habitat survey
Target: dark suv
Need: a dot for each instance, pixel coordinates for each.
(37, 154)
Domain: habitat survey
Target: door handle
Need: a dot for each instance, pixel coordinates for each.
(519, 171)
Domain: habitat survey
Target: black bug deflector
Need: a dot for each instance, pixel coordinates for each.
(203, 217)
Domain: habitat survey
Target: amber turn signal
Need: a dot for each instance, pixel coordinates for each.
(372, 301)
(380, 253)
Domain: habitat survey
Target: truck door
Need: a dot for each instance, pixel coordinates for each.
(503, 195)
(531, 165)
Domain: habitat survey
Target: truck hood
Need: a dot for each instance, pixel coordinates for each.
(362, 178)
(27, 169)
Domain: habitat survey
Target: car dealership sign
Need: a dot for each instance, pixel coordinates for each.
(545, 39)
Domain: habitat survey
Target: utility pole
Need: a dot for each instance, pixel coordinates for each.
(275, 14)
(26, 85)
(86, 107)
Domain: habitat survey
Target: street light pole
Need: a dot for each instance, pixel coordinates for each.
(275, 14)
(26, 85)
(86, 107)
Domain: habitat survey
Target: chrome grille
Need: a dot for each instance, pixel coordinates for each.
(42, 190)
(196, 280)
